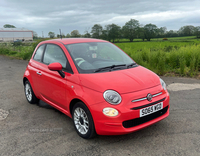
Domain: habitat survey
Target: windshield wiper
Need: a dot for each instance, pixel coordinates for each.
(132, 64)
(109, 67)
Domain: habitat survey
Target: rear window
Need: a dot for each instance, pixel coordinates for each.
(38, 53)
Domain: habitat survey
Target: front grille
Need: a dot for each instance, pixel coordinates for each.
(139, 121)
(143, 106)
(144, 98)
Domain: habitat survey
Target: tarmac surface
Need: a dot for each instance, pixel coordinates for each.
(27, 129)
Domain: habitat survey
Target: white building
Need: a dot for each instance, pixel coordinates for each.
(13, 34)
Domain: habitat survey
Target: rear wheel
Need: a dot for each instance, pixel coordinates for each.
(83, 121)
(30, 96)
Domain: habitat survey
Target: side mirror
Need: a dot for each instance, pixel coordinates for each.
(56, 67)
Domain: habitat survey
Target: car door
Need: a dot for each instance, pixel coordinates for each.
(52, 85)
(34, 68)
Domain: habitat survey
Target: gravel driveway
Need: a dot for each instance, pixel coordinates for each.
(27, 129)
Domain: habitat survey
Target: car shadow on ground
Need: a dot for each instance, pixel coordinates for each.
(47, 106)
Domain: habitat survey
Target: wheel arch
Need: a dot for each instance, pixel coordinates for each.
(24, 80)
(91, 128)
(28, 78)
(73, 102)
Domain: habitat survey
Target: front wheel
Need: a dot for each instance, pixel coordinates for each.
(83, 121)
(30, 96)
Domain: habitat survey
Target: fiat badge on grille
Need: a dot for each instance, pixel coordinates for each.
(149, 97)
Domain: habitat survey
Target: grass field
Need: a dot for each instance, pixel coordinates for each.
(178, 56)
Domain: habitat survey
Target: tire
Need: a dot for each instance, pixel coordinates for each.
(83, 121)
(30, 96)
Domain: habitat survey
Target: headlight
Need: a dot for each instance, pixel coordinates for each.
(112, 97)
(110, 111)
(163, 84)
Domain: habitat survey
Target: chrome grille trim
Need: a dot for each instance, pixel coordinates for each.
(157, 94)
(141, 99)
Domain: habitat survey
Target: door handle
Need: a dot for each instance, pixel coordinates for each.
(39, 73)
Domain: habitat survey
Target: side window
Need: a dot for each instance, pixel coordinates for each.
(38, 53)
(54, 53)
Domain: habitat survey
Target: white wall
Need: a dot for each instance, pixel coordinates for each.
(14, 35)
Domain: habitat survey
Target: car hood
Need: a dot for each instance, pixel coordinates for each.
(122, 81)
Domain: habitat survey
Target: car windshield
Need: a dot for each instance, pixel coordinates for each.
(93, 57)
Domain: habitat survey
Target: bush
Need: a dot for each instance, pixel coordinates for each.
(17, 43)
(12, 52)
(182, 65)
(161, 65)
(168, 48)
(4, 51)
(26, 56)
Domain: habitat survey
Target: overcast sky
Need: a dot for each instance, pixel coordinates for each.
(81, 15)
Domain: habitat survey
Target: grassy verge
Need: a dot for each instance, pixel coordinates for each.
(20, 50)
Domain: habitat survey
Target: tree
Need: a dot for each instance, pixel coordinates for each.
(51, 34)
(9, 26)
(197, 31)
(35, 36)
(141, 33)
(96, 31)
(187, 30)
(171, 33)
(75, 33)
(63, 35)
(150, 31)
(130, 29)
(87, 35)
(68, 35)
(112, 32)
(104, 34)
(162, 31)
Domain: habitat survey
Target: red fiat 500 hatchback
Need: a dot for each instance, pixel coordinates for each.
(96, 84)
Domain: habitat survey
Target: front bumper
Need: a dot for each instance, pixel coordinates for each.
(128, 120)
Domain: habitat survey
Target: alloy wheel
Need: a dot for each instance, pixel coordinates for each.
(28, 92)
(81, 120)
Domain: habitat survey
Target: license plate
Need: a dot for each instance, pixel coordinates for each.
(151, 109)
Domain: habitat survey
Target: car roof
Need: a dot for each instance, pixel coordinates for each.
(75, 40)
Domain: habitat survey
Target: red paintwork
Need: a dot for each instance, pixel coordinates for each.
(130, 83)
(142, 80)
